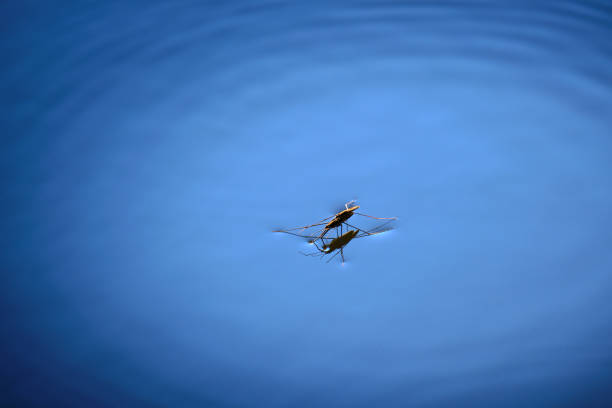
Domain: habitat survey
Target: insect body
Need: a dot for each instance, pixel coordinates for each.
(337, 221)
(337, 244)
(341, 241)
(340, 218)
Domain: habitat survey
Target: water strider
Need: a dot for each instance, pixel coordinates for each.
(336, 221)
(336, 245)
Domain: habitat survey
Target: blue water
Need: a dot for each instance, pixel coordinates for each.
(150, 148)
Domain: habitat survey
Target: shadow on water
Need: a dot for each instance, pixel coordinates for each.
(149, 148)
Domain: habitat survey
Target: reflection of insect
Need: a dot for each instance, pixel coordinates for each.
(337, 221)
(337, 244)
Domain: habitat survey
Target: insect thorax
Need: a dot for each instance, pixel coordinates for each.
(340, 218)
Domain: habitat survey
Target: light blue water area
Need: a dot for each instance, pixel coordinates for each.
(150, 148)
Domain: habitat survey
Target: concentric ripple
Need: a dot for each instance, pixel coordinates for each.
(150, 149)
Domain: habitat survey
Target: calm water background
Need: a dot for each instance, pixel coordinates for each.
(149, 148)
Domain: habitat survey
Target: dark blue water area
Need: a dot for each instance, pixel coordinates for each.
(150, 148)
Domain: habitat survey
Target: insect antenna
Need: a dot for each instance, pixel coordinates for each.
(341, 207)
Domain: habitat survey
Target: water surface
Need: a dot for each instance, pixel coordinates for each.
(150, 148)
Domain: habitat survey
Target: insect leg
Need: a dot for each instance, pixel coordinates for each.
(337, 252)
(375, 231)
(325, 231)
(298, 235)
(300, 228)
(377, 218)
(309, 254)
(315, 244)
